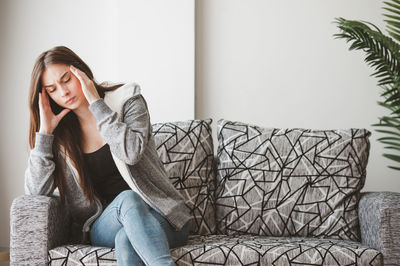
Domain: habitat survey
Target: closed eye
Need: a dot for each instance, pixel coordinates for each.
(65, 81)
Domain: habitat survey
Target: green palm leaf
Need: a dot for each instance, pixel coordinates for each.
(383, 55)
(393, 23)
(392, 157)
(386, 131)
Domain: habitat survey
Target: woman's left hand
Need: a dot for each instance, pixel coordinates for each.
(88, 88)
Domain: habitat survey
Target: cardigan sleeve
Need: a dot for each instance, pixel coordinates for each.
(39, 174)
(127, 137)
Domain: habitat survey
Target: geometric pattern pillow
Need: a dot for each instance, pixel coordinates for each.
(186, 150)
(290, 182)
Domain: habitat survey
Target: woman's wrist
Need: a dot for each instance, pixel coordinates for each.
(45, 131)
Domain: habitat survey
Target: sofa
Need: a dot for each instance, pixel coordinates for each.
(268, 197)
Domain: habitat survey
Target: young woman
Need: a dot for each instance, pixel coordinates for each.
(94, 144)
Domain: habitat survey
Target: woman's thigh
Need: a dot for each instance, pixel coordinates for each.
(107, 225)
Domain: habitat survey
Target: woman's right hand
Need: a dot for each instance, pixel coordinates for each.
(48, 120)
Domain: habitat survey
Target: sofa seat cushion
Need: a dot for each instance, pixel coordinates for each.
(238, 250)
(264, 250)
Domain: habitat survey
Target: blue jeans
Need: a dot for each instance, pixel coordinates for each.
(138, 233)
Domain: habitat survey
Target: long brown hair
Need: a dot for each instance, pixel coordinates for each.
(68, 134)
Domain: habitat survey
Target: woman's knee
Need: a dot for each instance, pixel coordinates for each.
(129, 200)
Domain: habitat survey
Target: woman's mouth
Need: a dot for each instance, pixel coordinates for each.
(70, 100)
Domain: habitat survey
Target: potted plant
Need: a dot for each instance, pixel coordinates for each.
(383, 55)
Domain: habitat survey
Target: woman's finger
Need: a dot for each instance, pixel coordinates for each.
(79, 73)
(45, 98)
(74, 71)
(43, 93)
(40, 100)
(63, 113)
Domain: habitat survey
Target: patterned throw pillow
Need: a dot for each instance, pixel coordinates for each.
(186, 150)
(290, 182)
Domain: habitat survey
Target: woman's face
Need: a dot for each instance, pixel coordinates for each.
(62, 85)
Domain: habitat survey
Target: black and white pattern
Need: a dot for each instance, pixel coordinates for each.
(186, 150)
(82, 255)
(238, 250)
(290, 182)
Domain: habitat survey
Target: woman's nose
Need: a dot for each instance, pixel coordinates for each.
(64, 90)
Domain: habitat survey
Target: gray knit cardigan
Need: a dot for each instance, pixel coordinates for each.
(124, 123)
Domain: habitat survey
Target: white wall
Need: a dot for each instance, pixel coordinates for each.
(277, 64)
(147, 41)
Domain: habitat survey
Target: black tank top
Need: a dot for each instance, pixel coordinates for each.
(106, 179)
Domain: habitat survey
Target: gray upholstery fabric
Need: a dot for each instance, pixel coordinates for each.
(379, 214)
(37, 225)
(290, 182)
(238, 250)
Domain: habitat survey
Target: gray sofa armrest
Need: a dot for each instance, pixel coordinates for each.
(38, 224)
(379, 214)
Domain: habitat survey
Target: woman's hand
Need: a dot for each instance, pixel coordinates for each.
(48, 120)
(88, 88)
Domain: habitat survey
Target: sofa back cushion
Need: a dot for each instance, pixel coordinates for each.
(186, 150)
(290, 182)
